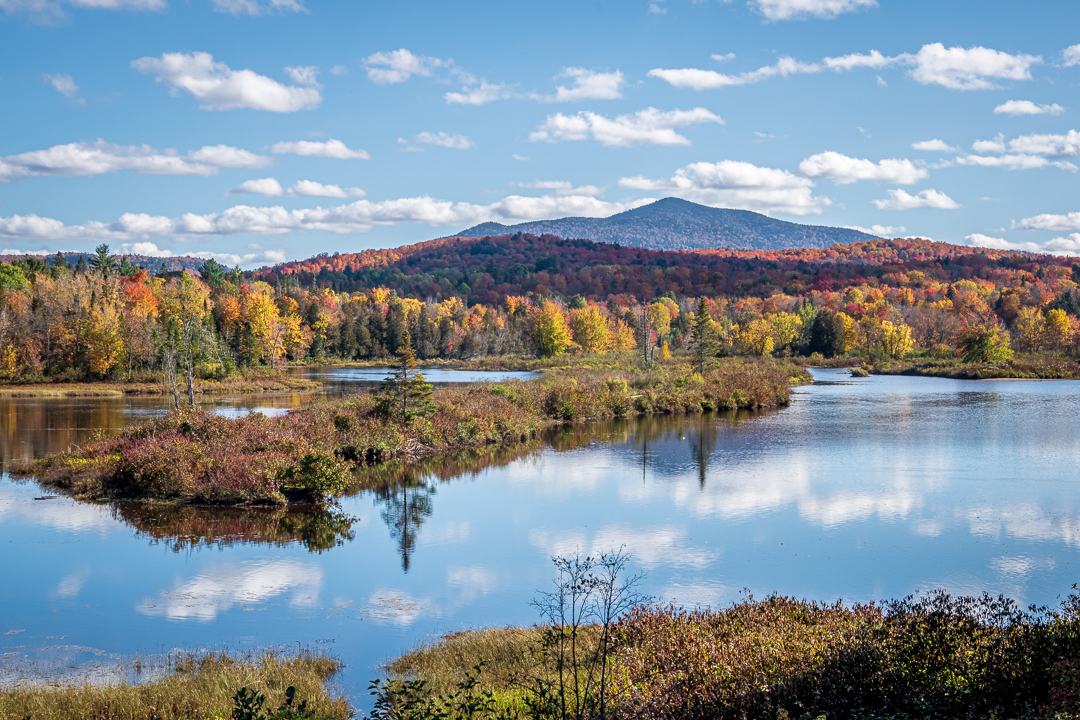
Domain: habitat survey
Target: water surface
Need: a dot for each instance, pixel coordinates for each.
(862, 489)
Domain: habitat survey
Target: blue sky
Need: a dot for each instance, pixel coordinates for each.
(262, 130)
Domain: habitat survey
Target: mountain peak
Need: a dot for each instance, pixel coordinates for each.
(676, 224)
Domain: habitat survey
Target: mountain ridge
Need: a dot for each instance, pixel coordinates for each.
(677, 224)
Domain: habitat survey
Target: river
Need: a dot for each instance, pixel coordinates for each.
(862, 489)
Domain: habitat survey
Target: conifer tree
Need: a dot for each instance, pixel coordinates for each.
(705, 344)
(406, 395)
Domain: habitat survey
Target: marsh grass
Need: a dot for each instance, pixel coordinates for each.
(190, 686)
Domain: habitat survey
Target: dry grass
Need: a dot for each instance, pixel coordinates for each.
(195, 686)
(229, 386)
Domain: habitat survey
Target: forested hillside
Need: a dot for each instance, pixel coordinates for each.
(675, 224)
(538, 296)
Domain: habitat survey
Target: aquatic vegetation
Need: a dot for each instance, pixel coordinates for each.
(309, 455)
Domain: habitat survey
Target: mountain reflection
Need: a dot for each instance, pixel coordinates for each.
(187, 527)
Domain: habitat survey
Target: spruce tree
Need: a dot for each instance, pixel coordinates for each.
(704, 334)
(406, 395)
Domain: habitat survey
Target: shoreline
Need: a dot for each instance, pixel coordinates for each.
(109, 389)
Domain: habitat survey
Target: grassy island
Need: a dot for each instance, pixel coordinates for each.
(194, 457)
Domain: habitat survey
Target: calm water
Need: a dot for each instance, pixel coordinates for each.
(862, 489)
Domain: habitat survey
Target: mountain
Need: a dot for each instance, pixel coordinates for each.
(675, 224)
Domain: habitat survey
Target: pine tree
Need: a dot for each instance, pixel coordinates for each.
(102, 261)
(705, 344)
(406, 395)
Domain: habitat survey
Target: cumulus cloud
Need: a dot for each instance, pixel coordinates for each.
(330, 149)
(934, 145)
(650, 126)
(1057, 246)
(588, 85)
(1053, 145)
(441, 139)
(973, 68)
(902, 200)
(695, 79)
(1036, 150)
(1071, 56)
(844, 170)
(801, 9)
(66, 86)
(253, 8)
(270, 187)
(564, 187)
(218, 87)
(1026, 107)
(81, 159)
(1047, 221)
(873, 59)
(356, 217)
(735, 184)
(397, 66)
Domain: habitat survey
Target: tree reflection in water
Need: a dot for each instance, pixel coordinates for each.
(188, 527)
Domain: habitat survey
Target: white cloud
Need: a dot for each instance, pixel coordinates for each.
(730, 183)
(1026, 107)
(881, 231)
(1013, 162)
(397, 66)
(14, 251)
(480, 94)
(844, 170)
(339, 70)
(1071, 56)
(695, 79)
(51, 11)
(1070, 244)
(270, 187)
(356, 217)
(65, 85)
(254, 8)
(330, 149)
(1048, 221)
(81, 159)
(799, 9)
(442, 139)
(645, 126)
(305, 75)
(934, 145)
(973, 68)
(1057, 246)
(901, 200)
(874, 60)
(655, 8)
(521, 158)
(588, 85)
(1065, 145)
(997, 145)
(564, 187)
(218, 87)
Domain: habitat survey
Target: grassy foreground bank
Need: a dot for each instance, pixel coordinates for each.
(194, 687)
(934, 656)
(310, 454)
(238, 385)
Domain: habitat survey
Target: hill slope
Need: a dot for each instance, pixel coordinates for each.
(674, 224)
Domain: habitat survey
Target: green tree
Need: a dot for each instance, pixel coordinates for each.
(212, 272)
(550, 333)
(102, 261)
(985, 344)
(705, 343)
(126, 268)
(406, 395)
(11, 278)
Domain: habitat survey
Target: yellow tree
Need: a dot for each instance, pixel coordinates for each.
(622, 335)
(845, 331)
(184, 303)
(590, 330)
(104, 338)
(550, 332)
(754, 338)
(1030, 330)
(896, 339)
(1059, 332)
(786, 328)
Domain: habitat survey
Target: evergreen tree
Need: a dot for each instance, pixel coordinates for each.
(126, 268)
(80, 267)
(705, 344)
(212, 272)
(406, 395)
(102, 261)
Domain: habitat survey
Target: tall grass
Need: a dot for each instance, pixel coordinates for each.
(194, 686)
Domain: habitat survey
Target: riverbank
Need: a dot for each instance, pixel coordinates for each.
(930, 656)
(240, 385)
(192, 686)
(1021, 367)
(313, 453)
